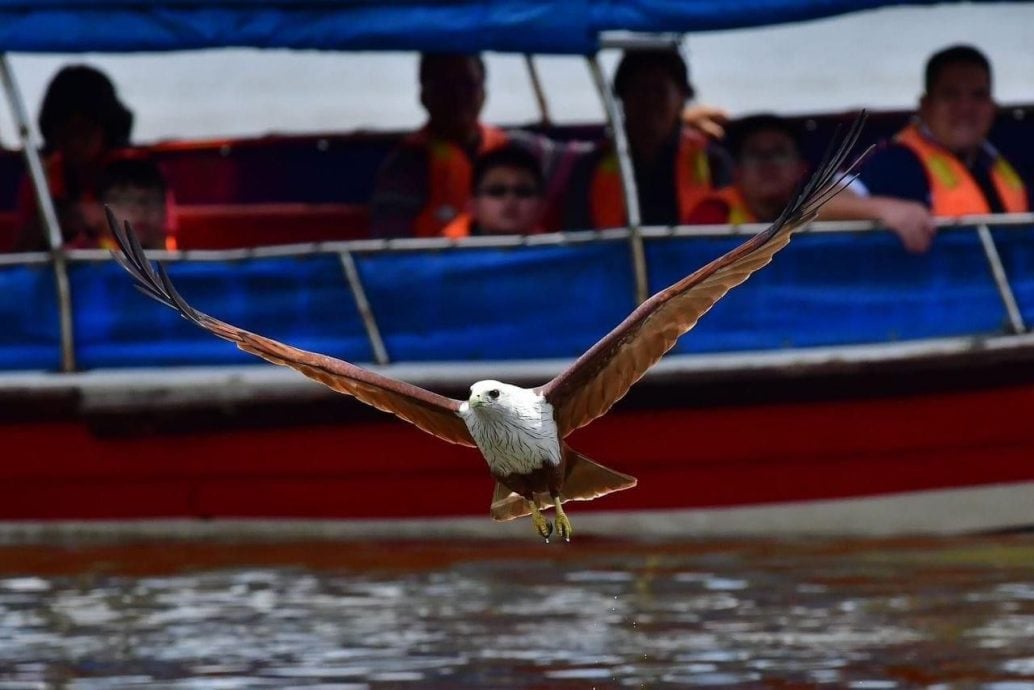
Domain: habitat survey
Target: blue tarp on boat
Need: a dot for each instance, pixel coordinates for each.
(527, 26)
(478, 304)
(305, 299)
(31, 335)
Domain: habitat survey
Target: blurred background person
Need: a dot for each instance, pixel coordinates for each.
(425, 181)
(941, 164)
(135, 189)
(675, 164)
(82, 122)
(769, 169)
(507, 197)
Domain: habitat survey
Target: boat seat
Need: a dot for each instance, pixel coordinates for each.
(232, 226)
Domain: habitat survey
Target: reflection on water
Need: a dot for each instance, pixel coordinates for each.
(938, 614)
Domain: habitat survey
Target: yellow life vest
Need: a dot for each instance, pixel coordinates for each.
(953, 191)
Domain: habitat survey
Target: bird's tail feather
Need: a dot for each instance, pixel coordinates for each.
(585, 479)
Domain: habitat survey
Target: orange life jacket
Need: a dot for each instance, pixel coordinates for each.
(449, 178)
(458, 226)
(108, 242)
(692, 182)
(463, 224)
(732, 198)
(953, 191)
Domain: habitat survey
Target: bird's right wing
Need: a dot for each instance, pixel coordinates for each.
(435, 414)
(602, 376)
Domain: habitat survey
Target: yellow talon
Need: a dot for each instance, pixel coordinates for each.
(542, 525)
(563, 525)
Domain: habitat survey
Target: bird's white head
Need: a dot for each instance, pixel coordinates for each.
(496, 400)
(491, 394)
(496, 411)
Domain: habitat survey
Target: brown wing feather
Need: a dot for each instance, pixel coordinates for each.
(435, 414)
(602, 376)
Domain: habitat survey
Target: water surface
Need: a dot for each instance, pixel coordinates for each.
(938, 614)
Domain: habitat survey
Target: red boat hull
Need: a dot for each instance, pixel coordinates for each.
(378, 468)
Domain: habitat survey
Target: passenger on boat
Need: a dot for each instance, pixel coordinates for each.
(769, 167)
(425, 182)
(507, 195)
(676, 164)
(135, 189)
(82, 122)
(941, 163)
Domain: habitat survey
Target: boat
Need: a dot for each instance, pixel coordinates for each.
(848, 388)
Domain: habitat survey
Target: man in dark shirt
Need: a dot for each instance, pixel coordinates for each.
(941, 164)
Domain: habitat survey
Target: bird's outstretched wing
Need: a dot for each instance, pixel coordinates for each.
(435, 414)
(602, 376)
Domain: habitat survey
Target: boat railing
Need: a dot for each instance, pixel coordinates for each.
(346, 253)
(413, 244)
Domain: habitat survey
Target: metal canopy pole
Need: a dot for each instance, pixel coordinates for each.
(616, 121)
(380, 352)
(994, 260)
(46, 210)
(536, 86)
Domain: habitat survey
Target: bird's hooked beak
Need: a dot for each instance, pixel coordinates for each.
(483, 398)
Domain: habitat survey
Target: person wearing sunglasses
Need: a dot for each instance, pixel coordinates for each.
(769, 167)
(507, 195)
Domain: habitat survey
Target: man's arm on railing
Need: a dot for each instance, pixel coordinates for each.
(911, 221)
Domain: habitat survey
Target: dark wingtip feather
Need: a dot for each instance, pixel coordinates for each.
(827, 179)
(133, 259)
(170, 290)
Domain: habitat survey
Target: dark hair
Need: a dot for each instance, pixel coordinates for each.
(429, 61)
(744, 128)
(637, 60)
(140, 172)
(509, 156)
(83, 90)
(953, 55)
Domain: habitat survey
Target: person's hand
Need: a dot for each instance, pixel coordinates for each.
(911, 221)
(706, 118)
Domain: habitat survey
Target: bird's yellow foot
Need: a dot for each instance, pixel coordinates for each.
(542, 525)
(563, 525)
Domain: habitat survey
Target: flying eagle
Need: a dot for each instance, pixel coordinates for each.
(521, 431)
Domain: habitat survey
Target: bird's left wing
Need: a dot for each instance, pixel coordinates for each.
(435, 414)
(602, 376)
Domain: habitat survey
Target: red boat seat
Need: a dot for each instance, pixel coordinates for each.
(231, 226)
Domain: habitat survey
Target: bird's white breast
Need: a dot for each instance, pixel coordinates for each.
(516, 437)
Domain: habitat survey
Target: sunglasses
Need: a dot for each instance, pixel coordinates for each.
(498, 191)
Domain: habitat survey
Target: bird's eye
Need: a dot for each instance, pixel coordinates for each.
(494, 393)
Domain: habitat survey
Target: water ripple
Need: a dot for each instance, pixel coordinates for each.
(864, 615)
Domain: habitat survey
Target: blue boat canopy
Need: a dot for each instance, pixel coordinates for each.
(524, 26)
